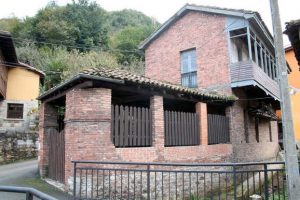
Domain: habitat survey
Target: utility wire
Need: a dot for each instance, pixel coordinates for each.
(77, 46)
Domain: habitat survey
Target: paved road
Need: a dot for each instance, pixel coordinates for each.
(11, 172)
(25, 174)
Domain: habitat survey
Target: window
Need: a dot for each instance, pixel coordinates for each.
(15, 111)
(189, 68)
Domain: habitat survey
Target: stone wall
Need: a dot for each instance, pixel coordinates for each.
(16, 145)
(18, 137)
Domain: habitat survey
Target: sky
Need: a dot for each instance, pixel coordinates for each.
(161, 10)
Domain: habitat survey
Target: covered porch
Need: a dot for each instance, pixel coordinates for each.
(102, 115)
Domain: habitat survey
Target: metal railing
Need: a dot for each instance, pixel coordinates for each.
(130, 180)
(30, 193)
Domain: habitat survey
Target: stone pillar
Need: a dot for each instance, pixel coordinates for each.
(47, 122)
(201, 110)
(158, 129)
(87, 127)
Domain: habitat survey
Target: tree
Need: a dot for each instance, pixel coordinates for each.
(80, 25)
(8, 24)
(118, 20)
(58, 63)
(126, 42)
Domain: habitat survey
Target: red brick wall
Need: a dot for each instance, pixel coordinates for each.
(253, 150)
(87, 135)
(47, 122)
(87, 127)
(201, 110)
(194, 30)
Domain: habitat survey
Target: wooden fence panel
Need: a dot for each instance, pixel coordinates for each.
(218, 129)
(131, 126)
(181, 128)
(56, 166)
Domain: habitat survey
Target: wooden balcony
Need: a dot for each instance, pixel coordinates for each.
(247, 73)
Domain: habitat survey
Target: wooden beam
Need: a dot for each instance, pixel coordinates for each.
(249, 43)
(130, 99)
(152, 91)
(85, 84)
(255, 50)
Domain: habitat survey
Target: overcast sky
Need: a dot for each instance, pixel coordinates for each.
(159, 9)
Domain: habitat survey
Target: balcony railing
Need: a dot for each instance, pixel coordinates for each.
(247, 73)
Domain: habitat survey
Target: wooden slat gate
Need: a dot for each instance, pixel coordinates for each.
(218, 129)
(131, 126)
(181, 128)
(56, 155)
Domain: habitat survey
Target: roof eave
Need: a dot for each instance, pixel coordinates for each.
(74, 79)
(30, 68)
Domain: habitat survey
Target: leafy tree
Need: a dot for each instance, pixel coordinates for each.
(8, 24)
(80, 24)
(118, 20)
(89, 19)
(62, 40)
(126, 42)
(59, 64)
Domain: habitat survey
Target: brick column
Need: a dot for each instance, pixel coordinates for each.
(87, 127)
(47, 122)
(156, 104)
(201, 110)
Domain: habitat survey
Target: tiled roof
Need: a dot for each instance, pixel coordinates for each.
(128, 77)
(134, 78)
(293, 22)
(292, 30)
(30, 68)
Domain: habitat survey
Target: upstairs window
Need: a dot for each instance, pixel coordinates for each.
(15, 111)
(188, 68)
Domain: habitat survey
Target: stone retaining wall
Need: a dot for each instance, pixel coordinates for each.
(18, 137)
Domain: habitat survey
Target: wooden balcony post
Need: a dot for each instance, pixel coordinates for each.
(249, 43)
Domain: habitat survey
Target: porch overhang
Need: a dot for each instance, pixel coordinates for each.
(255, 84)
(125, 81)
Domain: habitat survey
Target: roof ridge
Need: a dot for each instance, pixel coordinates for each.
(125, 71)
(222, 8)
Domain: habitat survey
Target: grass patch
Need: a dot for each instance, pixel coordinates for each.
(42, 186)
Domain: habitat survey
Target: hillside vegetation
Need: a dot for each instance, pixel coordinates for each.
(62, 40)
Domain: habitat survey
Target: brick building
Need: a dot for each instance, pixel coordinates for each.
(208, 95)
(230, 51)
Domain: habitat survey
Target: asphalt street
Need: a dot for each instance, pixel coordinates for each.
(25, 174)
